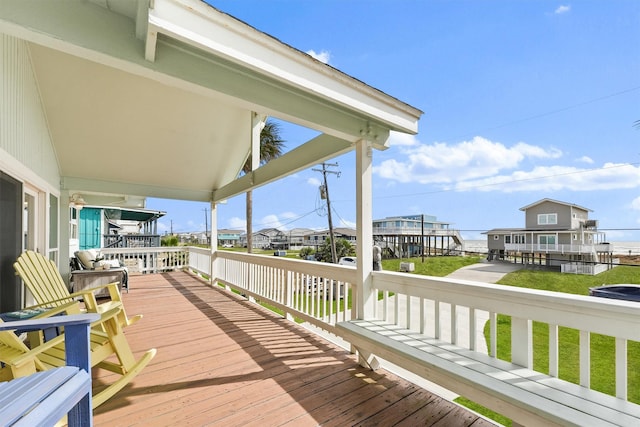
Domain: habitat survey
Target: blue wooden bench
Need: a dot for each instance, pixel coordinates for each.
(43, 398)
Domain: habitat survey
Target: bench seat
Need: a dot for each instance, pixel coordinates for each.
(526, 396)
(43, 398)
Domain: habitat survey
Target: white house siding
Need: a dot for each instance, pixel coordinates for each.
(23, 126)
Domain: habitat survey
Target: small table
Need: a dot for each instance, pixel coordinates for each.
(85, 279)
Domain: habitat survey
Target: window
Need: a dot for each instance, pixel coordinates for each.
(507, 239)
(519, 238)
(496, 237)
(547, 219)
(547, 239)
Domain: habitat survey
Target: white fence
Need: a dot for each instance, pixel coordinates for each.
(581, 268)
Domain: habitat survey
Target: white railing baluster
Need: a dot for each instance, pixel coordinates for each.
(585, 358)
(407, 310)
(553, 350)
(436, 319)
(493, 334)
(472, 330)
(621, 368)
(522, 342)
(423, 316)
(453, 322)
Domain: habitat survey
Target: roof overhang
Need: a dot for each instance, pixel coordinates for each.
(158, 98)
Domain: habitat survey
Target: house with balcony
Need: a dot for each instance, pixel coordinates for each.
(315, 239)
(267, 238)
(98, 227)
(413, 235)
(229, 237)
(178, 82)
(556, 234)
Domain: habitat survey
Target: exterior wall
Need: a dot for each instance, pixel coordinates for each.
(23, 132)
(563, 212)
(27, 153)
(581, 216)
(493, 243)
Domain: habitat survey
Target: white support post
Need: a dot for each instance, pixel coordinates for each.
(214, 244)
(257, 124)
(364, 230)
(522, 342)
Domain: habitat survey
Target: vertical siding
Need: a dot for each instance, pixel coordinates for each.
(23, 126)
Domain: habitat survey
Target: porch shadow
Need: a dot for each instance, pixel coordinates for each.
(234, 363)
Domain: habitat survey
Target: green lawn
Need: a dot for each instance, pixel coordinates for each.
(602, 347)
(432, 266)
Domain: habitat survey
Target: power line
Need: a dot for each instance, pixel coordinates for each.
(559, 110)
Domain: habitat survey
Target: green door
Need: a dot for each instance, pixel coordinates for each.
(89, 227)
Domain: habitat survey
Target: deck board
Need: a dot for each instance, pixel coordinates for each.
(224, 361)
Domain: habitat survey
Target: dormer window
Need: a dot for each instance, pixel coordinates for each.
(548, 219)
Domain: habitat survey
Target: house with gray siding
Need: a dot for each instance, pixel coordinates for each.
(556, 234)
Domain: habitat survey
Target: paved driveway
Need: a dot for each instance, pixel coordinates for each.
(487, 272)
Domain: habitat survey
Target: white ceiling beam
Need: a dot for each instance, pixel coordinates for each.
(311, 153)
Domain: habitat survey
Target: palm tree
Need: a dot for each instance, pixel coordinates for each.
(271, 146)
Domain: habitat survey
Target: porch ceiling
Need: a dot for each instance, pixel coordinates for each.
(108, 125)
(157, 98)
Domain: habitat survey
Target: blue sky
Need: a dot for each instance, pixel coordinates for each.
(522, 100)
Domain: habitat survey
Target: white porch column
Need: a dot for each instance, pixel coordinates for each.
(365, 298)
(214, 243)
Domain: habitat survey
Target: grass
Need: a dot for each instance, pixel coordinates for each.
(439, 266)
(602, 347)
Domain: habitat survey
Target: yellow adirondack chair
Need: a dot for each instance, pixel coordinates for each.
(42, 278)
(106, 339)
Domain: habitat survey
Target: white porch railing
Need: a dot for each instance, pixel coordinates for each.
(319, 293)
(451, 310)
(149, 260)
(558, 248)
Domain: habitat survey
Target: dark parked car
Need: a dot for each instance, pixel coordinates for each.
(625, 292)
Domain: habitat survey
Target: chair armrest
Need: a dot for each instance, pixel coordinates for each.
(50, 322)
(76, 326)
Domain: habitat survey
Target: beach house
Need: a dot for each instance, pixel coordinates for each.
(556, 234)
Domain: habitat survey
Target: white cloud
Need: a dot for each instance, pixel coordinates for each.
(444, 163)
(562, 9)
(585, 159)
(269, 221)
(315, 182)
(322, 56)
(236, 223)
(483, 165)
(555, 178)
(635, 204)
(402, 139)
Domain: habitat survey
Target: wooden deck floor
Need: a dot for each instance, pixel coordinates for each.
(223, 361)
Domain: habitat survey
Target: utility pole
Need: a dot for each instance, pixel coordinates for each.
(324, 194)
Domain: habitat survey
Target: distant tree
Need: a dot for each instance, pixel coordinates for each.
(343, 248)
(169, 240)
(271, 146)
(305, 252)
